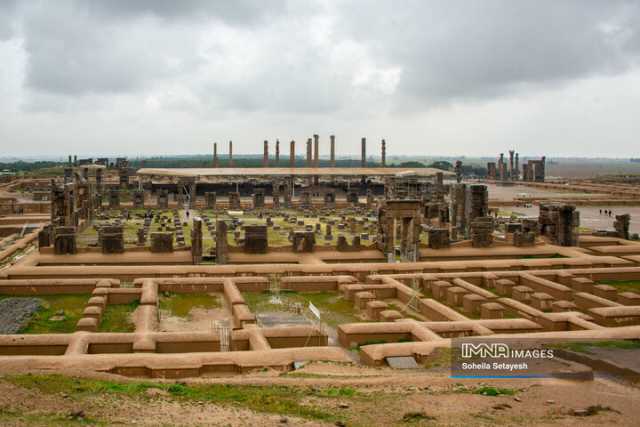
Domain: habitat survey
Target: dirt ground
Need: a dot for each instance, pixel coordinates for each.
(376, 397)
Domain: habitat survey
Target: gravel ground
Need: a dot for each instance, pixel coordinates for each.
(15, 313)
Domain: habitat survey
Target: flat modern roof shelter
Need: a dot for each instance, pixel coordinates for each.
(225, 172)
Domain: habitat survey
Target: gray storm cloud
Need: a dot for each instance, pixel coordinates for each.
(392, 66)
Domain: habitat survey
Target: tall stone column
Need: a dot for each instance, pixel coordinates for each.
(389, 228)
(316, 156)
(383, 157)
(511, 152)
(363, 148)
(501, 166)
(316, 150)
(309, 154)
(230, 154)
(215, 155)
(517, 169)
(277, 152)
(196, 241)
(265, 155)
(333, 151)
(222, 244)
(292, 154)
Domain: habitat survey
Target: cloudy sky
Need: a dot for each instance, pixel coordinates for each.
(462, 77)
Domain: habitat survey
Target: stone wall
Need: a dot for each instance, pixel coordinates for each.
(162, 241)
(256, 239)
(560, 223)
(482, 232)
(438, 238)
(112, 239)
(621, 225)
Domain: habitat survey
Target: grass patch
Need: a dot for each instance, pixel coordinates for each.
(15, 417)
(622, 285)
(117, 318)
(181, 304)
(416, 417)
(337, 392)
(67, 308)
(583, 347)
(441, 357)
(494, 391)
(269, 399)
(334, 308)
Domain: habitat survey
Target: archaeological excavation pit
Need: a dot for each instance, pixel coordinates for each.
(187, 275)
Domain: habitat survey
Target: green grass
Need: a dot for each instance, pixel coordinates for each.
(277, 238)
(622, 285)
(494, 391)
(117, 318)
(72, 305)
(334, 309)
(441, 357)
(15, 417)
(274, 399)
(181, 304)
(583, 347)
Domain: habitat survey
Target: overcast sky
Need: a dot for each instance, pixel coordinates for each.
(431, 77)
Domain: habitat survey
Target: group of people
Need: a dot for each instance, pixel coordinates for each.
(606, 212)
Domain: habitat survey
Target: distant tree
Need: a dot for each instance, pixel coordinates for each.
(441, 164)
(474, 171)
(412, 164)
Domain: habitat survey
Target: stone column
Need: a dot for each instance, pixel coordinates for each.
(316, 150)
(309, 154)
(333, 151)
(277, 152)
(517, 170)
(363, 148)
(265, 155)
(501, 166)
(222, 245)
(458, 170)
(196, 241)
(292, 154)
(511, 152)
(230, 154)
(215, 155)
(316, 156)
(383, 158)
(389, 228)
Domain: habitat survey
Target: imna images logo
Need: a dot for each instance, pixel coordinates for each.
(493, 350)
(502, 350)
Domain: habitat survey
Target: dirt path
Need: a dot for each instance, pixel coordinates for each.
(350, 395)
